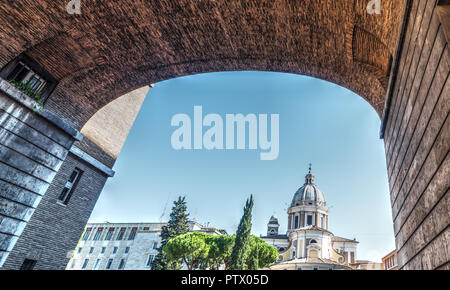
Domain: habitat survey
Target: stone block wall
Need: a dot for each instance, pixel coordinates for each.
(32, 149)
(417, 142)
(54, 229)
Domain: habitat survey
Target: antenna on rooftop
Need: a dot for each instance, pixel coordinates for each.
(164, 209)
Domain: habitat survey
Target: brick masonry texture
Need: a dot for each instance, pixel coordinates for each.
(54, 229)
(114, 47)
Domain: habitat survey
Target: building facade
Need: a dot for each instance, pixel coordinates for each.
(398, 61)
(367, 265)
(308, 244)
(121, 246)
(390, 261)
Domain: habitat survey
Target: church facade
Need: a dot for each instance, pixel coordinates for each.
(308, 244)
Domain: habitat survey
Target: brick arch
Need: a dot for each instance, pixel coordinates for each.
(115, 47)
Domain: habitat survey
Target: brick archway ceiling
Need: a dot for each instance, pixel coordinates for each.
(116, 46)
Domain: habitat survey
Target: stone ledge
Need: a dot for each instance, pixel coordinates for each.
(28, 102)
(92, 161)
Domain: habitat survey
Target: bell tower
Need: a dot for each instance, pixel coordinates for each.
(273, 226)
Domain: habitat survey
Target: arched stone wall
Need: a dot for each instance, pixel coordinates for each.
(397, 60)
(114, 47)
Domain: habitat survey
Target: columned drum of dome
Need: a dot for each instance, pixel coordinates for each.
(308, 207)
(397, 60)
(308, 244)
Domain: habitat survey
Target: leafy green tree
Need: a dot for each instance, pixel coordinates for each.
(191, 248)
(220, 251)
(177, 225)
(260, 254)
(241, 245)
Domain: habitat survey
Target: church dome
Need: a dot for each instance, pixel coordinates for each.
(309, 192)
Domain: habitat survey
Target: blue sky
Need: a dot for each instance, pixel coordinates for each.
(320, 122)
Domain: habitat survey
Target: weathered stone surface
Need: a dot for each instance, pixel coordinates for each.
(417, 143)
(414, 48)
(109, 127)
(21, 195)
(29, 160)
(28, 149)
(23, 163)
(419, 82)
(54, 229)
(115, 47)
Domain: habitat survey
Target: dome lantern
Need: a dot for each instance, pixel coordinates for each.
(309, 193)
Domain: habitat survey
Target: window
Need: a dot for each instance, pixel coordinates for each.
(97, 263)
(315, 268)
(91, 250)
(86, 261)
(127, 249)
(132, 234)
(114, 250)
(86, 234)
(155, 245)
(109, 234)
(108, 265)
(70, 186)
(322, 222)
(121, 233)
(79, 249)
(313, 242)
(98, 234)
(73, 264)
(272, 232)
(309, 220)
(29, 77)
(103, 250)
(28, 264)
(121, 264)
(149, 261)
(296, 222)
(299, 268)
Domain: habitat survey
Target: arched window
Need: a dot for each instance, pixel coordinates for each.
(313, 242)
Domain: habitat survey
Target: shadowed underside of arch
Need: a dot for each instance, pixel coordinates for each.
(114, 47)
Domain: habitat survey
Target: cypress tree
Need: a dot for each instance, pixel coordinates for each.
(177, 225)
(240, 249)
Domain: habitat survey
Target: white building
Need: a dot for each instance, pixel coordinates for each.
(308, 244)
(121, 246)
